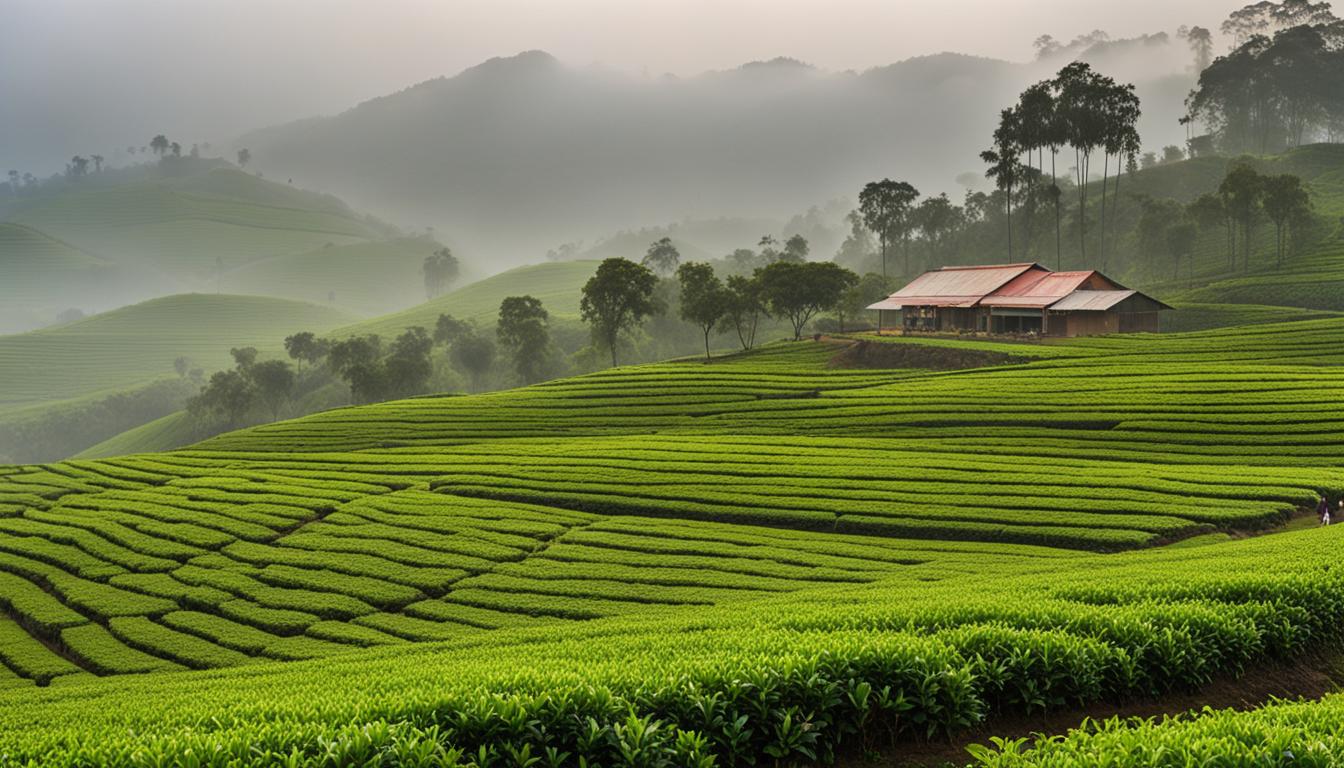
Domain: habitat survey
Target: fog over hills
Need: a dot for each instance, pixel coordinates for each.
(519, 154)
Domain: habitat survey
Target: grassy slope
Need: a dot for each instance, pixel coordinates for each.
(655, 499)
(557, 284)
(129, 346)
(184, 227)
(1313, 279)
(163, 434)
(368, 277)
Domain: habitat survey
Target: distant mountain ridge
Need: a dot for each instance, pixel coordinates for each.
(519, 154)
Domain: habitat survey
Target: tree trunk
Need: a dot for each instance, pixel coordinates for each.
(707, 329)
(1101, 243)
(1080, 173)
(1115, 203)
(1054, 184)
(882, 239)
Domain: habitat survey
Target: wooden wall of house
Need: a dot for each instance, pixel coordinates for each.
(1089, 323)
(1139, 322)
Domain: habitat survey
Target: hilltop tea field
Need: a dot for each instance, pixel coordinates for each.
(775, 557)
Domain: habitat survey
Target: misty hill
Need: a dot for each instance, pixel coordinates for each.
(114, 238)
(558, 285)
(139, 343)
(519, 154)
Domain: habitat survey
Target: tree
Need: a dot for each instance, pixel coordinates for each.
(1041, 127)
(799, 291)
(176, 149)
(474, 354)
(1157, 216)
(244, 157)
(408, 366)
(181, 365)
(305, 347)
(795, 249)
(227, 396)
(356, 360)
(858, 245)
(1274, 92)
(1005, 168)
(1208, 211)
(1265, 17)
(885, 206)
(704, 300)
(1180, 241)
(1172, 154)
(1082, 116)
(617, 298)
(243, 357)
(937, 219)
(1200, 41)
(662, 257)
(524, 331)
(159, 144)
(78, 166)
(447, 328)
(743, 260)
(1285, 200)
(854, 301)
(273, 381)
(439, 270)
(769, 252)
(744, 306)
(97, 163)
(1242, 190)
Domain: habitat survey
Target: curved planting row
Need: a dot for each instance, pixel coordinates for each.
(796, 678)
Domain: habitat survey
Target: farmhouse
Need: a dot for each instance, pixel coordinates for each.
(1019, 299)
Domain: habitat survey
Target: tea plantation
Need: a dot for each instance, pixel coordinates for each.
(765, 559)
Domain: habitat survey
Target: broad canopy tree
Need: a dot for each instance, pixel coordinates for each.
(617, 298)
(800, 291)
(523, 330)
(662, 257)
(440, 270)
(704, 300)
(887, 207)
(744, 307)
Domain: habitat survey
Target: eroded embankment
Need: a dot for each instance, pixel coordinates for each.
(875, 354)
(1309, 677)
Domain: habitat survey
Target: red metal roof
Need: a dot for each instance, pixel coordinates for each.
(960, 286)
(1021, 286)
(1035, 290)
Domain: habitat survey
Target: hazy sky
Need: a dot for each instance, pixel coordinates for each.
(87, 75)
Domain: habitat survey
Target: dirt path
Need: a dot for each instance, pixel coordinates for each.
(1310, 678)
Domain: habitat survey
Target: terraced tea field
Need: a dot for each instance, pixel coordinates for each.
(684, 563)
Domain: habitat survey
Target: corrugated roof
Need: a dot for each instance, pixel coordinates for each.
(887, 303)
(960, 286)
(1035, 290)
(1091, 301)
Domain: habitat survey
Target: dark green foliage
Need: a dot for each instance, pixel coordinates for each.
(704, 300)
(439, 270)
(887, 207)
(523, 330)
(616, 299)
(800, 291)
